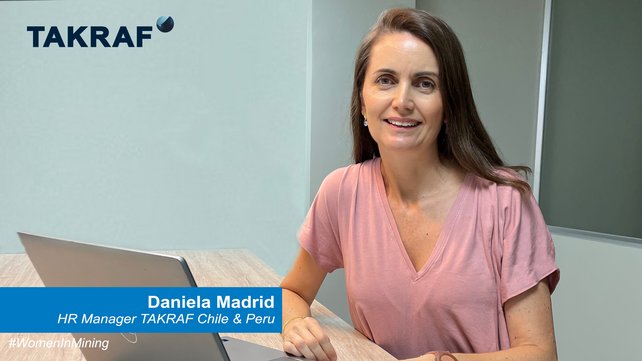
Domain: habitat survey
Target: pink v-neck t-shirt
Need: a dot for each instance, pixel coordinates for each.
(493, 246)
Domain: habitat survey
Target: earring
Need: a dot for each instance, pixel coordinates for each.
(365, 122)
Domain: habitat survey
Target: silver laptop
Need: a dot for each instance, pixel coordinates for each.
(67, 263)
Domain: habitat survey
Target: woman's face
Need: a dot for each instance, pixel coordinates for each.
(400, 95)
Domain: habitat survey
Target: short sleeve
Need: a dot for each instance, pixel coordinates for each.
(528, 253)
(319, 233)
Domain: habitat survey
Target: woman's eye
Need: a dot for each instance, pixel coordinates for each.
(384, 80)
(426, 84)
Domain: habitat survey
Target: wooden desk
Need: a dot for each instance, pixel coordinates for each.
(210, 269)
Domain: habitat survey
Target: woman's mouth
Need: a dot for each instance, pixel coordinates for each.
(402, 123)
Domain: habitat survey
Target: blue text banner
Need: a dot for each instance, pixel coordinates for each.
(140, 309)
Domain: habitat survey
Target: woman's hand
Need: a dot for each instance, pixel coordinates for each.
(305, 337)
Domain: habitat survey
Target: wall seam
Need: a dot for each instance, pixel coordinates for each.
(541, 102)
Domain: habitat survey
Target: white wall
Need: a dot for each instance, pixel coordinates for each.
(597, 304)
(196, 140)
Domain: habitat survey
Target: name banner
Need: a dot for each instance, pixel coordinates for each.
(141, 309)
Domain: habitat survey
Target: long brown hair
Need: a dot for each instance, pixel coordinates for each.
(463, 138)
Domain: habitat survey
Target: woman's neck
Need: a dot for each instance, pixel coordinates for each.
(411, 177)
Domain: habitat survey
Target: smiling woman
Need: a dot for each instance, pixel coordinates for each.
(400, 95)
(466, 141)
(445, 250)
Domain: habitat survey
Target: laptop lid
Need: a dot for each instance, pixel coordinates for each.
(65, 263)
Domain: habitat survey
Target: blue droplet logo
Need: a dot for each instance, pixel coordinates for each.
(165, 23)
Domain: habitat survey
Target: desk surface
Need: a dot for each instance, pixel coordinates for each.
(210, 269)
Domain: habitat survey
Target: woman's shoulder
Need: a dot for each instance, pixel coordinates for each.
(505, 201)
(351, 173)
(344, 182)
(502, 191)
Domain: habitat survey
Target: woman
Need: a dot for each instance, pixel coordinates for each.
(446, 254)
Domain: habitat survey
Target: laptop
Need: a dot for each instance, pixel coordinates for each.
(62, 263)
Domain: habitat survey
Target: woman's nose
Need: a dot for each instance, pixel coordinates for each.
(403, 101)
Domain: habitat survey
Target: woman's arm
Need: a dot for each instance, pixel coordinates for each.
(529, 319)
(302, 334)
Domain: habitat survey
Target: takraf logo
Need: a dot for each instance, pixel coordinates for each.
(165, 24)
(93, 36)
